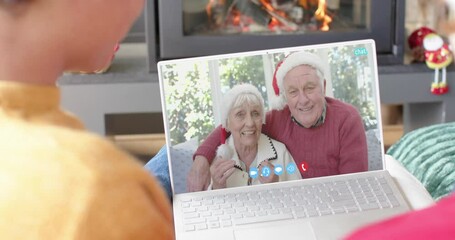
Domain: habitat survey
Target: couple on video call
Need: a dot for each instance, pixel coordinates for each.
(319, 135)
(59, 181)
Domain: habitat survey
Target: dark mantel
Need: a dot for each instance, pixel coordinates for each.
(409, 85)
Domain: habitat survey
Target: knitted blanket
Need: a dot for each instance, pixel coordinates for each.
(429, 154)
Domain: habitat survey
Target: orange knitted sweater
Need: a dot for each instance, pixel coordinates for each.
(58, 181)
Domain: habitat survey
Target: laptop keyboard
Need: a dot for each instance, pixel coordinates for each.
(272, 204)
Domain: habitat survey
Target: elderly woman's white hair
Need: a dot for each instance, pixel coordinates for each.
(235, 97)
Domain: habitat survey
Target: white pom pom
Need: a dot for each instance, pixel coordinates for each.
(277, 103)
(225, 152)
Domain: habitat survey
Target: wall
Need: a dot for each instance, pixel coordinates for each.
(410, 88)
(127, 87)
(92, 101)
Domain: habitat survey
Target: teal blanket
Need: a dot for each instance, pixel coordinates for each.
(429, 154)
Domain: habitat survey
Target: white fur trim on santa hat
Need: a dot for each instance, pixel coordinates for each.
(278, 102)
(230, 97)
(225, 152)
(291, 61)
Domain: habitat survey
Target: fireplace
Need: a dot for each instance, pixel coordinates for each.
(204, 27)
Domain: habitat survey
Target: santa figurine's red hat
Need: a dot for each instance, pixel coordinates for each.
(289, 62)
(229, 100)
(415, 42)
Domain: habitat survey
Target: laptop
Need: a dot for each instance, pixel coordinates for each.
(326, 207)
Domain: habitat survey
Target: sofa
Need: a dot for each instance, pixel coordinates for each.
(428, 153)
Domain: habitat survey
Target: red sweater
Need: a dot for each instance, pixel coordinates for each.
(337, 146)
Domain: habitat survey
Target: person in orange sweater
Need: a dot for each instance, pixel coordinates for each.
(57, 180)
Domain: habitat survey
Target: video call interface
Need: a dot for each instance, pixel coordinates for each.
(193, 90)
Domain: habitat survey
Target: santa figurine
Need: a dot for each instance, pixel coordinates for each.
(415, 42)
(437, 57)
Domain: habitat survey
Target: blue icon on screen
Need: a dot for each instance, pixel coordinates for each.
(291, 168)
(253, 172)
(278, 169)
(360, 51)
(265, 171)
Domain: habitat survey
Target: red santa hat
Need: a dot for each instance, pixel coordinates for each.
(229, 99)
(415, 39)
(289, 62)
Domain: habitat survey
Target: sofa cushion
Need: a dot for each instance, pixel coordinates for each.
(429, 154)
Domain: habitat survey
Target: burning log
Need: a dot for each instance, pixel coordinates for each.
(257, 12)
(277, 15)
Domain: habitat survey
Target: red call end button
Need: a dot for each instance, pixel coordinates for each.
(304, 166)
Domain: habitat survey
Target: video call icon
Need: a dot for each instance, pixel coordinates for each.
(291, 168)
(278, 169)
(254, 172)
(265, 171)
(304, 166)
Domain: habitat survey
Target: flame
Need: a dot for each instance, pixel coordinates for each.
(208, 8)
(267, 5)
(274, 22)
(236, 18)
(279, 20)
(321, 15)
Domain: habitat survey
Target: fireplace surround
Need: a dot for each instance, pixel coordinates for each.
(131, 85)
(184, 28)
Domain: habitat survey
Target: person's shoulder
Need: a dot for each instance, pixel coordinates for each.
(339, 104)
(81, 173)
(279, 113)
(340, 107)
(68, 149)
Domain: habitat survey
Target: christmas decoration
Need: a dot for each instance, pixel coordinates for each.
(415, 42)
(437, 57)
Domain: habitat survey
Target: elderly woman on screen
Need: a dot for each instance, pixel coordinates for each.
(256, 158)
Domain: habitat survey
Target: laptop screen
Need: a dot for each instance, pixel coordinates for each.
(302, 127)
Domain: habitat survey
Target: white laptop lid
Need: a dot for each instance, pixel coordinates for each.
(192, 90)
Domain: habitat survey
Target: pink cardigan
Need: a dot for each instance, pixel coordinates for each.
(337, 146)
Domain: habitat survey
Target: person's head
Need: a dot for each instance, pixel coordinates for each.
(243, 114)
(300, 83)
(77, 35)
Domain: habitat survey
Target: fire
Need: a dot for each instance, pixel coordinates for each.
(213, 4)
(321, 12)
(267, 5)
(280, 18)
(321, 15)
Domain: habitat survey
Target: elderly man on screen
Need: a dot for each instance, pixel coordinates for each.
(324, 135)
